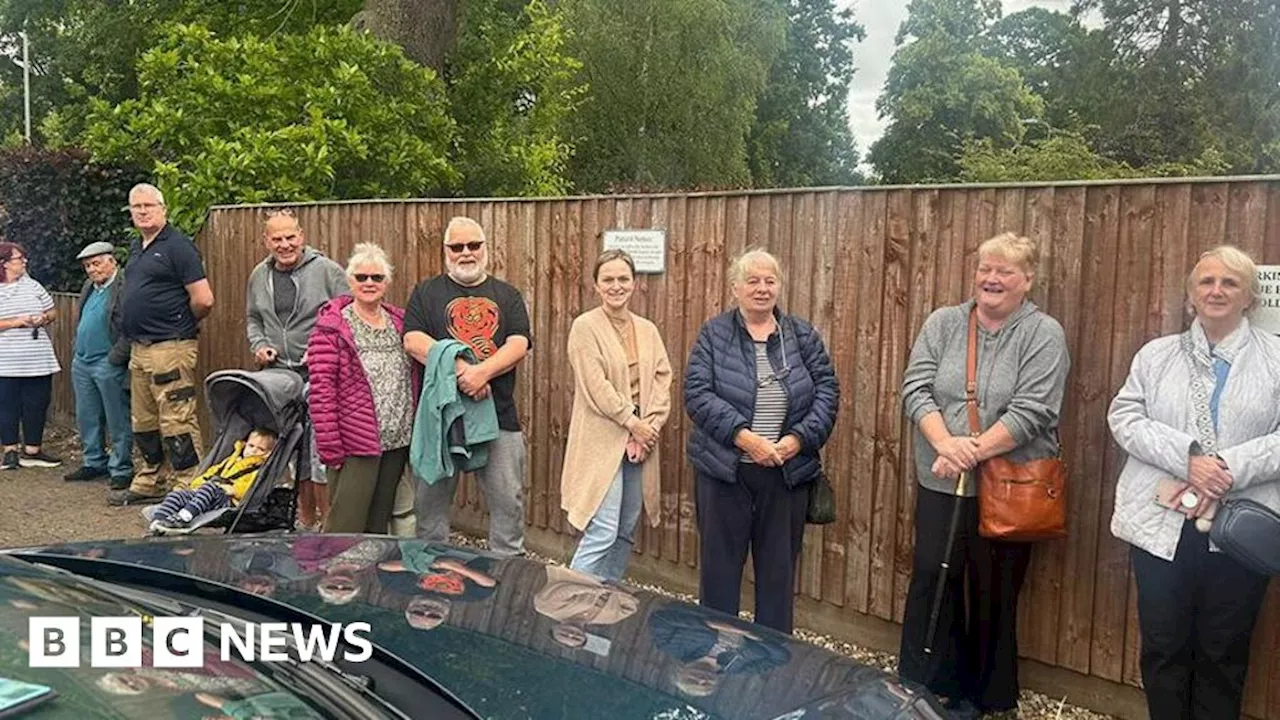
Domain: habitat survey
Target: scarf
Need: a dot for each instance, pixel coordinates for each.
(1209, 366)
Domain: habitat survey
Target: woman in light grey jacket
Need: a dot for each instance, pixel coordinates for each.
(1199, 417)
(1022, 366)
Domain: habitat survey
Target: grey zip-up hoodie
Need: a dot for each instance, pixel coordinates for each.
(1021, 375)
(318, 280)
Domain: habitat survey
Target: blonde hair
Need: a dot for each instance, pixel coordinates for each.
(1237, 262)
(1017, 249)
(368, 254)
(753, 258)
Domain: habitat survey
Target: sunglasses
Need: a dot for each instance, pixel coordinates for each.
(457, 247)
(366, 277)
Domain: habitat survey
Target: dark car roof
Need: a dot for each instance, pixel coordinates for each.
(521, 639)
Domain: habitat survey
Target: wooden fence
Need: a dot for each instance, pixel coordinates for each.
(866, 266)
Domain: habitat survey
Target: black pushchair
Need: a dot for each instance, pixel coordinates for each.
(239, 401)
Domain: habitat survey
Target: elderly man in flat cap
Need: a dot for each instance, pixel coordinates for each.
(100, 372)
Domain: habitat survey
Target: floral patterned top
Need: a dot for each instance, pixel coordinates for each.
(387, 367)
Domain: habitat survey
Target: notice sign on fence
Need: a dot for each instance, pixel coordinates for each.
(648, 248)
(1267, 316)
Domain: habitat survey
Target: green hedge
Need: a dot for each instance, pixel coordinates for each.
(55, 202)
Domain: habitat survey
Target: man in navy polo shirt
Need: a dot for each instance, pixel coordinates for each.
(166, 294)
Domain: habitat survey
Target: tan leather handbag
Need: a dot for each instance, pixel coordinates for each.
(1017, 502)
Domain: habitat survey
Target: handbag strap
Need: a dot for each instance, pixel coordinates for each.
(971, 374)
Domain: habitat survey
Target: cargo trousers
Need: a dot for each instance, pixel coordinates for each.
(166, 428)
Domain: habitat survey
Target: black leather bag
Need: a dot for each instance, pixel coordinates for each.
(822, 502)
(1249, 532)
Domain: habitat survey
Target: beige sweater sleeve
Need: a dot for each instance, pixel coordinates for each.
(659, 405)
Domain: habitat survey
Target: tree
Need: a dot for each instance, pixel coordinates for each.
(426, 29)
(673, 89)
(801, 133)
(1242, 88)
(90, 48)
(1064, 155)
(56, 202)
(1198, 77)
(1072, 68)
(326, 115)
(512, 87)
(942, 90)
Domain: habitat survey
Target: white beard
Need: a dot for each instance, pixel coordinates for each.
(466, 275)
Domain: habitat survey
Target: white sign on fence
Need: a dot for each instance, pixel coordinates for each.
(1267, 316)
(648, 248)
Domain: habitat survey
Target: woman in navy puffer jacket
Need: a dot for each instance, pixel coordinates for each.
(762, 395)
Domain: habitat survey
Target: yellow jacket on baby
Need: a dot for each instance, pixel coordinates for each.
(235, 474)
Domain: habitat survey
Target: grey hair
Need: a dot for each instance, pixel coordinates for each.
(149, 188)
(753, 258)
(368, 254)
(462, 221)
(1237, 262)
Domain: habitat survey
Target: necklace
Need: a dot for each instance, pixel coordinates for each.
(375, 321)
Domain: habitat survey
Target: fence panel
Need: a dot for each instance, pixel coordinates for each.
(867, 266)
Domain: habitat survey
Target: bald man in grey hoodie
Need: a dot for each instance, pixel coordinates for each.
(285, 292)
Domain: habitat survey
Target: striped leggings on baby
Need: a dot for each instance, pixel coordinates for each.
(208, 496)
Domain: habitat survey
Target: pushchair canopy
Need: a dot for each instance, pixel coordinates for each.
(271, 398)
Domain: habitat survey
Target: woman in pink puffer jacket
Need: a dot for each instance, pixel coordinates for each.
(363, 393)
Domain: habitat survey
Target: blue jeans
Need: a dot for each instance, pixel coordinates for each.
(102, 393)
(605, 547)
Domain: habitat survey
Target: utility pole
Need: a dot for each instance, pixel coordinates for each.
(26, 85)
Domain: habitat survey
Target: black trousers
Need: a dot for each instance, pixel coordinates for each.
(757, 513)
(24, 400)
(975, 647)
(1196, 615)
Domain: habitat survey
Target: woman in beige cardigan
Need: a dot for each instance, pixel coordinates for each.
(622, 397)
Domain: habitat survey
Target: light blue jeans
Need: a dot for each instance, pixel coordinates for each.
(102, 398)
(605, 547)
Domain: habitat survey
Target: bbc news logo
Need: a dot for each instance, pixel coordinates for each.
(179, 642)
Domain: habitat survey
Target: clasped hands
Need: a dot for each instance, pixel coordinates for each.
(473, 380)
(1210, 476)
(763, 452)
(955, 455)
(644, 437)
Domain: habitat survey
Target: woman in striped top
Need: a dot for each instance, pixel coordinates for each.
(27, 359)
(762, 395)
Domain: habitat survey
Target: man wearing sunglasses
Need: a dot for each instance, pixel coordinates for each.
(286, 291)
(466, 303)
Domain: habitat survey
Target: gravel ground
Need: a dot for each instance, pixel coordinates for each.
(37, 506)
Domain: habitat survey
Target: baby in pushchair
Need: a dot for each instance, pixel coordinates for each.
(224, 484)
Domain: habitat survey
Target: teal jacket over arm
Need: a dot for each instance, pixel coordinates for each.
(439, 449)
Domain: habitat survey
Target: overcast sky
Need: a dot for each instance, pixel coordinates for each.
(871, 57)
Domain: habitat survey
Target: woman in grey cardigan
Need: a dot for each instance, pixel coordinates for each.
(1199, 417)
(1022, 365)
